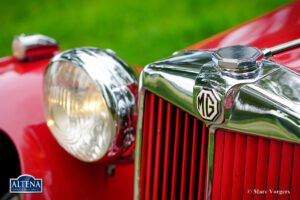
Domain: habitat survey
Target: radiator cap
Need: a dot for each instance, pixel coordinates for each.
(238, 58)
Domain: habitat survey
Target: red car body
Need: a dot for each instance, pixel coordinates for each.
(64, 177)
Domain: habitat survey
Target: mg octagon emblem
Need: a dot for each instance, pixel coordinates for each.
(208, 104)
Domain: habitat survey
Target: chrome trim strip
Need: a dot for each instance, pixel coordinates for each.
(138, 144)
(210, 162)
(281, 47)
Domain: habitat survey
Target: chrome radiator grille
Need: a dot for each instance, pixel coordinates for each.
(174, 152)
(172, 159)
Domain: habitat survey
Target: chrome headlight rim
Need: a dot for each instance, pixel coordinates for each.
(120, 100)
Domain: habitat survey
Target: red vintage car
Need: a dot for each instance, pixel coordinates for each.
(218, 120)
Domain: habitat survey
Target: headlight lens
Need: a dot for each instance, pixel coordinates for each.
(18, 49)
(77, 112)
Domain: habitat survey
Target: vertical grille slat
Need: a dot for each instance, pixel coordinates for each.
(228, 161)
(167, 153)
(144, 146)
(250, 167)
(295, 189)
(262, 167)
(193, 159)
(157, 157)
(175, 156)
(174, 151)
(259, 168)
(218, 162)
(285, 169)
(202, 164)
(274, 168)
(151, 138)
(239, 167)
(184, 156)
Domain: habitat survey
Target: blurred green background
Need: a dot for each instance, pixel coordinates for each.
(139, 31)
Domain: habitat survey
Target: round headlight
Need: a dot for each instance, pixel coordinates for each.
(33, 47)
(87, 104)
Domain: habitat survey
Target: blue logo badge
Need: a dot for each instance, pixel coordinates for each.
(26, 184)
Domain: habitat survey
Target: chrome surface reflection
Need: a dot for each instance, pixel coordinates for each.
(269, 107)
(26, 46)
(173, 78)
(266, 103)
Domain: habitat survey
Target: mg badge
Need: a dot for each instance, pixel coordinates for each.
(208, 104)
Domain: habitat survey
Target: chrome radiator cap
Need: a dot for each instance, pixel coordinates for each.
(238, 61)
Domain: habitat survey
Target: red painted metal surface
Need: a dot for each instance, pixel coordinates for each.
(180, 137)
(227, 172)
(175, 155)
(22, 118)
(185, 152)
(144, 146)
(239, 167)
(251, 167)
(262, 166)
(286, 167)
(167, 154)
(289, 58)
(193, 160)
(274, 168)
(158, 149)
(41, 52)
(150, 148)
(295, 184)
(203, 163)
(218, 162)
(276, 27)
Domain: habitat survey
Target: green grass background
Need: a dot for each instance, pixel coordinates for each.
(140, 31)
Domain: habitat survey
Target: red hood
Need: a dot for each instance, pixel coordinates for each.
(276, 27)
(289, 58)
